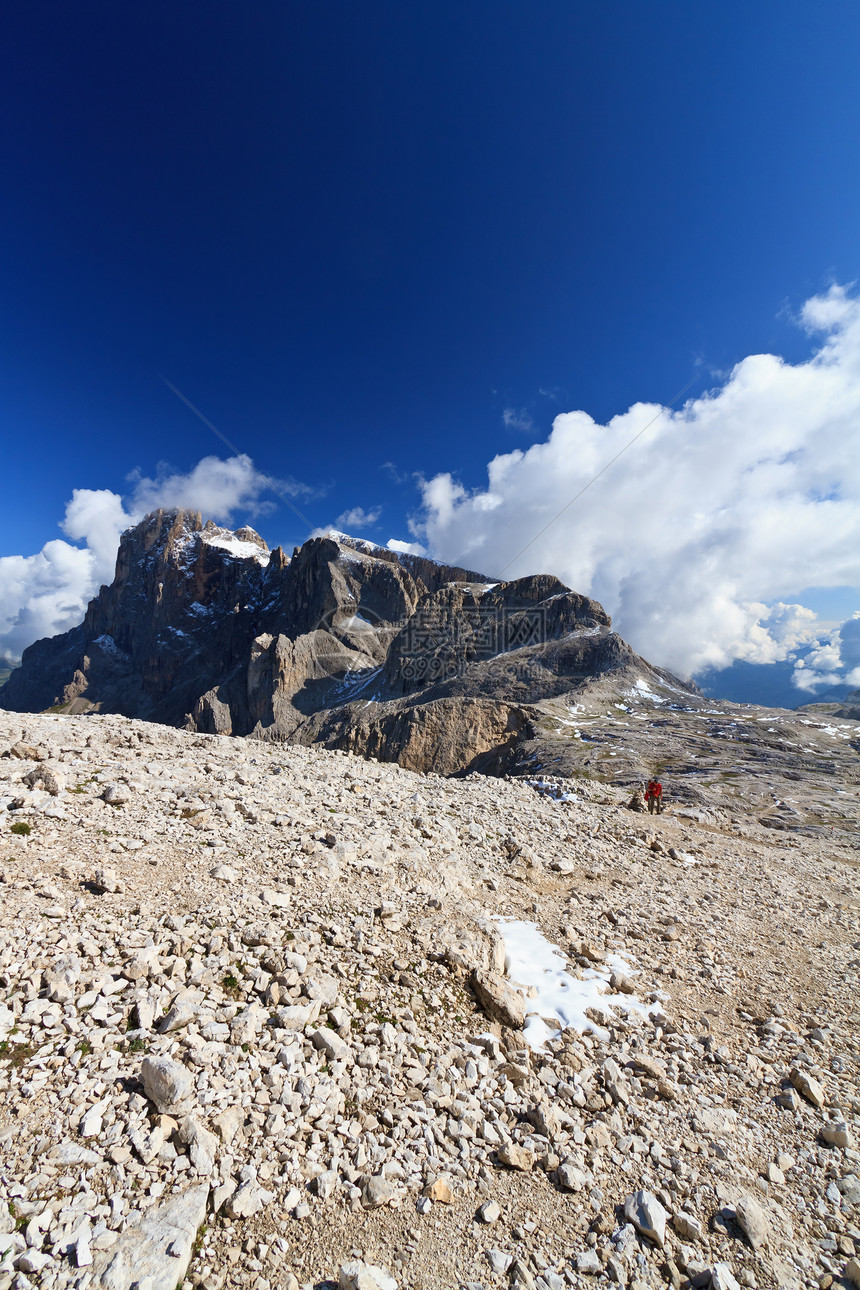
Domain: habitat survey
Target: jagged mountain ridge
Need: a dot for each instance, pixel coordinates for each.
(342, 643)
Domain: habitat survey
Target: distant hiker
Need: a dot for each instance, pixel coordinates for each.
(654, 797)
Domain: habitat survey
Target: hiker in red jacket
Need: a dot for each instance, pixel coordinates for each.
(654, 797)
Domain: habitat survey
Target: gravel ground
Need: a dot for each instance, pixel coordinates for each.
(242, 1043)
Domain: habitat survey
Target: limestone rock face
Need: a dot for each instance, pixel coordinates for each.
(468, 624)
(444, 735)
(344, 643)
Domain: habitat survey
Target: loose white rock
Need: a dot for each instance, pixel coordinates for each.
(647, 1215)
(167, 1084)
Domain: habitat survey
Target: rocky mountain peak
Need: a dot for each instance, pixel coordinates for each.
(164, 534)
(345, 643)
(176, 537)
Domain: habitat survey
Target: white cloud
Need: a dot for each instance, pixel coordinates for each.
(405, 548)
(214, 486)
(97, 516)
(743, 497)
(47, 593)
(835, 660)
(358, 518)
(42, 594)
(518, 419)
(849, 642)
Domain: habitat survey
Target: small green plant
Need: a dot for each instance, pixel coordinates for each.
(15, 1055)
(198, 1240)
(84, 1047)
(136, 1045)
(230, 984)
(21, 829)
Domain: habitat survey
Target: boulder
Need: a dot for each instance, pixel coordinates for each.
(377, 1191)
(440, 1191)
(500, 1001)
(836, 1133)
(808, 1087)
(335, 1048)
(248, 1200)
(167, 1084)
(364, 1276)
(753, 1221)
(155, 1250)
(245, 1026)
(184, 1009)
(722, 1278)
(481, 946)
(647, 1215)
(515, 1157)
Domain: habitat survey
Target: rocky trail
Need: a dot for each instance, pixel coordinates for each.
(256, 1027)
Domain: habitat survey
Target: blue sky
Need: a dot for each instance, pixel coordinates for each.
(414, 235)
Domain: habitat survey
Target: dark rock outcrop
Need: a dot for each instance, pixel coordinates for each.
(343, 643)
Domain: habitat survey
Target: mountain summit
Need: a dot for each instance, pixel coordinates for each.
(342, 643)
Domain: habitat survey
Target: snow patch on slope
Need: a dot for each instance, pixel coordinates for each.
(552, 993)
(241, 550)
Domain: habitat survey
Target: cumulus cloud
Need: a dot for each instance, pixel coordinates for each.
(96, 516)
(740, 499)
(405, 548)
(358, 518)
(834, 661)
(42, 594)
(214, 486)
(850, 649)
(47, 593)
